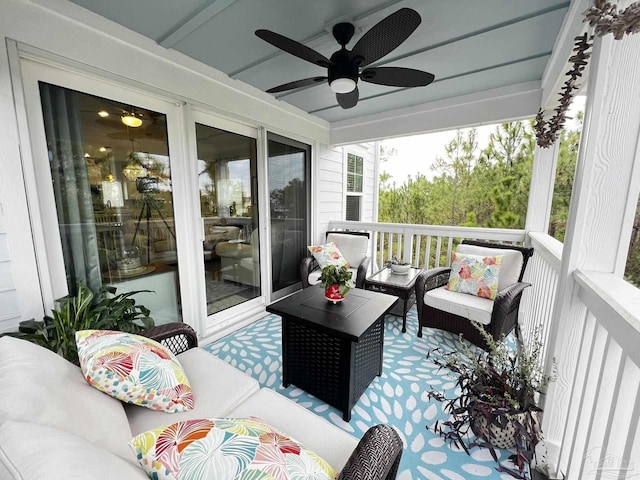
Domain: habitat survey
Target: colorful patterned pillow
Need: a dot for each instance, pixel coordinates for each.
(475, 274)
(328, 254)
(134, 369)
(233, 448)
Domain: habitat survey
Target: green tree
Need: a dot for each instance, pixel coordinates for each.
(457, 169)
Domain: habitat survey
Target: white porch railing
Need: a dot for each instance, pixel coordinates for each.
(601, 436)
(424, 246)
(536, 308)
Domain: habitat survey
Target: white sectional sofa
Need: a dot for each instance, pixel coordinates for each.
(54, 425)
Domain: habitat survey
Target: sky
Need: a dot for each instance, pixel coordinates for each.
(417, 152)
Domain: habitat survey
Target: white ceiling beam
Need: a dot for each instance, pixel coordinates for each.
(194, 22)
(491, 106)
(554, 74)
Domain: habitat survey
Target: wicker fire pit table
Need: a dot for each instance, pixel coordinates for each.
(333, 351)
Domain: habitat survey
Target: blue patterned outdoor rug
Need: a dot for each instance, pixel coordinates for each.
(398, 397)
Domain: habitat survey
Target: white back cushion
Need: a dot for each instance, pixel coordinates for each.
(352, 247)
(314, 432)
(217, 388)
(38, 386)
(511, 263)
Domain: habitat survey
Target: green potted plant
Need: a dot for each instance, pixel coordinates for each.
(336, 282)
(495, 405)
(86, 310)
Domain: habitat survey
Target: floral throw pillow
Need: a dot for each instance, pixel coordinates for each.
(328, 254)
(134, 369)
(229, 448)
(475, 274)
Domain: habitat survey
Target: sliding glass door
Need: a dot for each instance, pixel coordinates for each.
(227, 179)
(288, 169)
(111, 177)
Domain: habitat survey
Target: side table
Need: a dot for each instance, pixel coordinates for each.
(399, 285)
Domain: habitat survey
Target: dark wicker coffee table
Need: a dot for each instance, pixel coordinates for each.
(332, 351)
(402, 286)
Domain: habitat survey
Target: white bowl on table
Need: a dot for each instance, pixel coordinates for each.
(400, 269)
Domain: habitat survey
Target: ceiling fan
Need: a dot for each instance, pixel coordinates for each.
(343, 68)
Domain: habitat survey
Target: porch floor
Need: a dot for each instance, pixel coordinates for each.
(397, 397)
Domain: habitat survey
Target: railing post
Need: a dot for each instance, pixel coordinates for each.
(407, 253)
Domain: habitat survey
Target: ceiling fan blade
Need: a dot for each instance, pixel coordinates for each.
(385, 36)
(348, 100)
(293, 47)
(296, 84)
(397, 76)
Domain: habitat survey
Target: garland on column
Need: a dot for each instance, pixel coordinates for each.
(604, 18)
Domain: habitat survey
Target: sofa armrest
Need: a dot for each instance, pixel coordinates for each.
(376, 457)
(177, 337)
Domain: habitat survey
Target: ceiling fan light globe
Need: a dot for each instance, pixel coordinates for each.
(343, 85)
(131, 121)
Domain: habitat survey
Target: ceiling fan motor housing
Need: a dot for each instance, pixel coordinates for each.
(342, 67)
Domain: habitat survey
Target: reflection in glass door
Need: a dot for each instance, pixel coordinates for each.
(111, 179)
(227, 176)
(289, 195)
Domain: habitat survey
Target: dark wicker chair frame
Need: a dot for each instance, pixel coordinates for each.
(309, 264)
(504, 317)
(377, 455)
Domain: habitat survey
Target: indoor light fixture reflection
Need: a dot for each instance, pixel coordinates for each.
(103, 113)
(130, 119)
(343, 85)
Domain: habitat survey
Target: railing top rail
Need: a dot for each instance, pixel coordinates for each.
(616, 305)
(548, 248)
(505, 235)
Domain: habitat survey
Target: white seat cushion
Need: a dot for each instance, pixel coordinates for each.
(314, 277)
(217, 388)
(461, 304)
(352, 247)
(29, 451)
(39, 386)
(314, 432)
(511, 262)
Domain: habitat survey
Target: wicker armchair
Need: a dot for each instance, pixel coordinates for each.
(310, 270)
(504, 311)
(377, 455)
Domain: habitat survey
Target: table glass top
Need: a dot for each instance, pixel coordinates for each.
(387, 277)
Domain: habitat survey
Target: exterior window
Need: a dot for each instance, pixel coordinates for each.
(355, 180)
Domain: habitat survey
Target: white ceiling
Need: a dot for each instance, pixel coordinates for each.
(469, 45)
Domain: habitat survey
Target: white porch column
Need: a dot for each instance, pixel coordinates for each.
(543, 178)
(603, 202)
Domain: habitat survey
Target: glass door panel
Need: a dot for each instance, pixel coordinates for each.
(289, 195)
(111, 177)
(227, 176)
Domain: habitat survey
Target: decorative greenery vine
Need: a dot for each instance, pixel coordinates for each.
(604, 18)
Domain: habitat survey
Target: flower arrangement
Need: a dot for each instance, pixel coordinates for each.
(496, 398)
(334, 275)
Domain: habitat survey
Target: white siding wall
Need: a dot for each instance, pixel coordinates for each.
(9, 311)
(330, 184)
